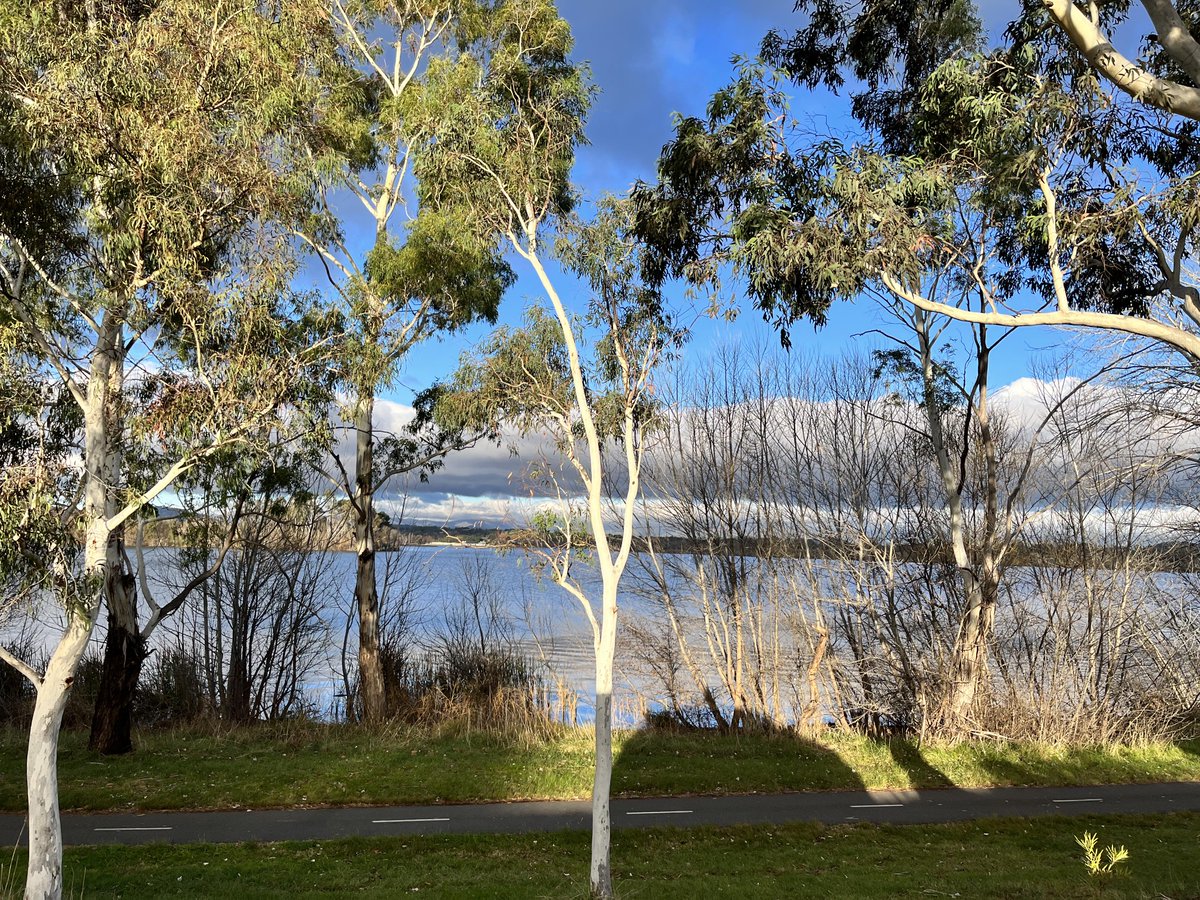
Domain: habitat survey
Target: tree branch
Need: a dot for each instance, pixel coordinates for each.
(1174, 36)
(1185, 343)
(21, 666)
(1131, 78)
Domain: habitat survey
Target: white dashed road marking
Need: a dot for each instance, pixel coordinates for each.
(1083, 800)
(142, 828)
(874, 805)
(661, 812)
(402, 821)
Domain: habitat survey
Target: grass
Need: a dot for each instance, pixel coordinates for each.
(258, 767)
(998, 858)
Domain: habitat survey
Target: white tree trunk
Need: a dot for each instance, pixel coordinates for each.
(102, 466)
(44, 875)
(611, 565)
(601, 870)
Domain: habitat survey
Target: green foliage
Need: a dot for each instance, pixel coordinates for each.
(38, 423)
(730, 192)
(163, 125)
(170, 167)
(375, 125)
(948, 195)
(505, 130)
(889, 46)
(898, 366)
(443, 260)
(522, 377)
(36, 202)
(559, 530)
(519, 376)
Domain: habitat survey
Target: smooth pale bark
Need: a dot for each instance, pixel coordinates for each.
(601, 867)
(43, 880)
(605, 637)
(366, 596)
(1123, 72)
(102, 470)
(1173, 336)
(611, 566)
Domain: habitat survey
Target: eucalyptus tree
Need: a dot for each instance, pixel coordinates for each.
(516, 178)
(983, 474)
(599, 409)
(38, 426)
(1167, 70)
(1102, 183)
(405, 267)
(1094, 194)
(503, 152)
(154, 290)
(1005, 189)
(892, 46)
(1106, 236)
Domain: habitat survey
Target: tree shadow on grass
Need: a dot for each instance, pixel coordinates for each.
(921, 773)
(1026, 764)
(707, 761)
(1189, 745)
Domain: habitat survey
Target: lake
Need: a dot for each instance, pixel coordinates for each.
(432, 586)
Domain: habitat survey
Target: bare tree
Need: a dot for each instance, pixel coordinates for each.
(711, 487)
(256, 623)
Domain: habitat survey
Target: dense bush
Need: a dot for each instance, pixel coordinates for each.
(459, 686)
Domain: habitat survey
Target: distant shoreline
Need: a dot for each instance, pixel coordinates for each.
(1164, 557)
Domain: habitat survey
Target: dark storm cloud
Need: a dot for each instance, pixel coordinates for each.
(493, 471)
(487, 470)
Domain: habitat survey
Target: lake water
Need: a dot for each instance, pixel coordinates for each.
(433, 586)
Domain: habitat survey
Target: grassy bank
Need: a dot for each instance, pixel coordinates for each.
(270, 766)
(997, 858)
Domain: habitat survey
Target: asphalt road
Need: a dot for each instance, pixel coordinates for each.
(900, 807)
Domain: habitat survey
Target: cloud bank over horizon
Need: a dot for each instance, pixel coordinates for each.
(489, 485)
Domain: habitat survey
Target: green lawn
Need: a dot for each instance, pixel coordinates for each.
(998, 858)
(313, 765)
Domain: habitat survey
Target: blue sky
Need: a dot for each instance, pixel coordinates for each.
(649, 60)
(652, 59)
